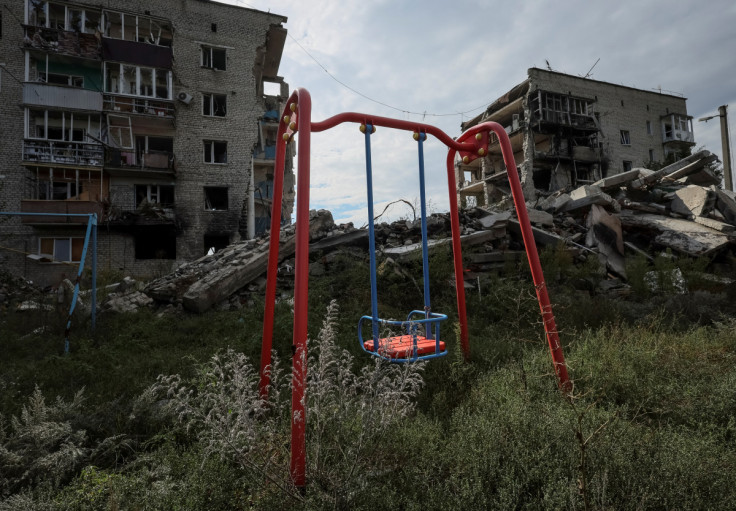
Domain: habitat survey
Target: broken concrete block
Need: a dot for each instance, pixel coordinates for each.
(715, 224)
(599, 198)
(692, 200)
(726, 204)
(680, 235)
(554, 203)
(584, 191)
(693, 159)
(618, 180)
(495, 220)
(540, 217)
(604, 232)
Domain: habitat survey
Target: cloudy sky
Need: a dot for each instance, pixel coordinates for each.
(442, 62)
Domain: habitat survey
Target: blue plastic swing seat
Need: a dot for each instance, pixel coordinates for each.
(411, 345)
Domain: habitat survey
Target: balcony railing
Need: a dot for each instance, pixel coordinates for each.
(59, 207)
(154, 160)
(138, 105)
(61, 96)
(683, 136)
(62, 153)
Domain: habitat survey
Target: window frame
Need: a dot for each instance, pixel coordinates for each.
(72, 240)
(207, 57)
(208, 103)
(139, 71)
(206, 199)
(625, 137)
(212, 152)
(628, 165)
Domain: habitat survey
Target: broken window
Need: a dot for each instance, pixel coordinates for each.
(137, 80)
(162, 195)
(57, 16)
(91, 22)
(113, 25)
(628, 165)
(214, 105)
(74, 19)
(61, 249)
(57, 125)
(162, 84)
(155, 243)
(215, 198)
(121, 132)
(142, 29)
(37, 13)
(61, 79)
(215, 151)
(625, 137)
(215, 242)
(214, 58)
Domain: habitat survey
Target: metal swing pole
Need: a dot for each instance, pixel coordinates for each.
(367, 129)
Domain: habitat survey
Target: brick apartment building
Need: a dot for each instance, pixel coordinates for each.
(158, 115)
(567, 131)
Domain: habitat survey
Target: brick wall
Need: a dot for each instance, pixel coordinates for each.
(619, 108)
(240, 32)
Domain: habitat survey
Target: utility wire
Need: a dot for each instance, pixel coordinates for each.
(365, 96)
(403, 110)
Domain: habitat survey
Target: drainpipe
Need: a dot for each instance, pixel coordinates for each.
(251, 201)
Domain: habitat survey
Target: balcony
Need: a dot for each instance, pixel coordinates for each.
(137, 105)
(60, 96)
(130, 160)
(52, 40)
(678, 136)
(59, 208)
(48, 152)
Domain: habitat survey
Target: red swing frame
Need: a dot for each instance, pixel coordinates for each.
(471, 144)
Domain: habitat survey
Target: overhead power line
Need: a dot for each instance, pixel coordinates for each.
(365, 96)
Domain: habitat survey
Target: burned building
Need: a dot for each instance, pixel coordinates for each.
(567, 131)
(157, 115)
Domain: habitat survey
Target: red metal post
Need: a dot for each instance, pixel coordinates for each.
(301, 295)
(273, 253)
(548, 318)
(457, 255)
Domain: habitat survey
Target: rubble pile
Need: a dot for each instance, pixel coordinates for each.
(15, 290)
(640, 212)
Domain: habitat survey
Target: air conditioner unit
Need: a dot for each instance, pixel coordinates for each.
(184, 97)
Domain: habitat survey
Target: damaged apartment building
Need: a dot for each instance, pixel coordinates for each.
(160, 116)
(567, 131)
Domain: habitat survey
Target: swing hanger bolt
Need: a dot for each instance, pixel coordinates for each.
(292, 107)
(416, 135)
(287, 119)
(362, 128)
(286, 137)
(466, 160)
(292, 126)
(478, 136)
(481, 151)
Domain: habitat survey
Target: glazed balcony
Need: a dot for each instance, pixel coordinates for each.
(52, 152)
(129, 160)
(157, 108)
(61, 96)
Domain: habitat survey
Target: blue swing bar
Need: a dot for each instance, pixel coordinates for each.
(91, 234)
(412, 345)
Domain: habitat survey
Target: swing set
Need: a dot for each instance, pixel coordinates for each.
(420, 333)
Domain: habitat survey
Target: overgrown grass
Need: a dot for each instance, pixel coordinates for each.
(651, 423)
